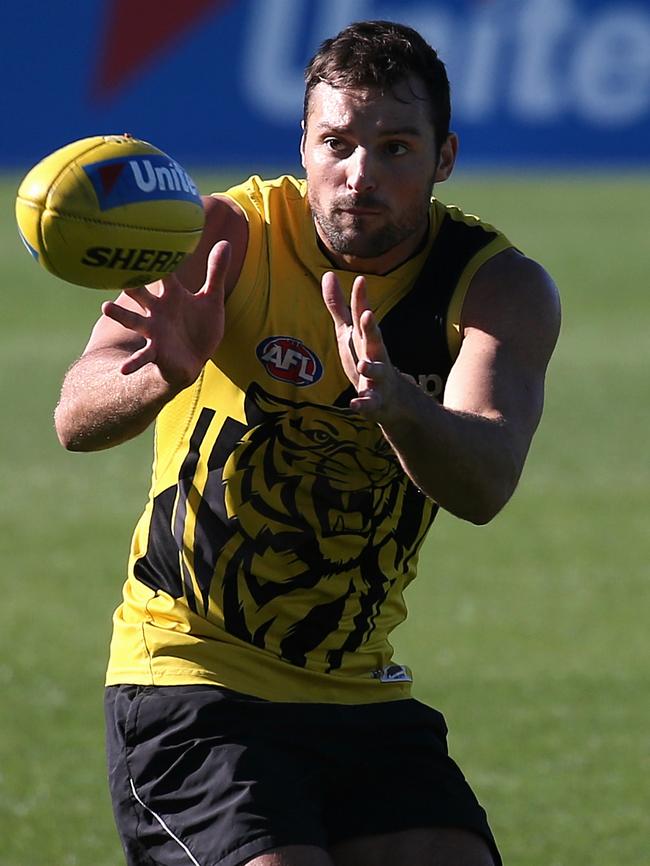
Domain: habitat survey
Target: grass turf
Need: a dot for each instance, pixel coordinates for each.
(530, 634)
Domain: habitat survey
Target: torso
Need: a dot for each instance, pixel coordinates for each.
(281, 531)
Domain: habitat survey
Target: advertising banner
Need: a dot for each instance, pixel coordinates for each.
(219, 83)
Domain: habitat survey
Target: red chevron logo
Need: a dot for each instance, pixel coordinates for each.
(109, 175)
(138, 33)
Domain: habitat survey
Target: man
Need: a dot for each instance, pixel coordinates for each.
(255, 714)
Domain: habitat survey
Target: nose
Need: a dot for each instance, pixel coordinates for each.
(360, 177)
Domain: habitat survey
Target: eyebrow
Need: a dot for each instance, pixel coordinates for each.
(402, 130)
(383, 133)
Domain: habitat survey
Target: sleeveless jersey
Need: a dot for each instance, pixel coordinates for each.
(281, 530)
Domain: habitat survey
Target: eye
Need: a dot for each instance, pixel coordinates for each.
(318, 436)
(396, 148)
(335, 145)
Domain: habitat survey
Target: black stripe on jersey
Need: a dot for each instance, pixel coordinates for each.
(411, 528)
(185, 482)
(308, 633)
(162, 565)
(159, 568)
(415, 329)
(213, 526)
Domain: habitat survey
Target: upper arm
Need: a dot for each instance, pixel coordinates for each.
(224, 220)
(510, 323)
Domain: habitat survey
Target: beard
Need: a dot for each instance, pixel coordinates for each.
(368, 236)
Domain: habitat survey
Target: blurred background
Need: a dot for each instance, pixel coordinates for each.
(530, 634)
(220, 82)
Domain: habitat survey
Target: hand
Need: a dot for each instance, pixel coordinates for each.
(361, 349)
(181, 330)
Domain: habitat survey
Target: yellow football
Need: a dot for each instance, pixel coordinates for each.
(109, 212)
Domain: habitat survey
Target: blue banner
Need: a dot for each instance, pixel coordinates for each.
(219, 83)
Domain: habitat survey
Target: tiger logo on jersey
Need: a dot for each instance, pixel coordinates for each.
(332, 477)
(304, 513)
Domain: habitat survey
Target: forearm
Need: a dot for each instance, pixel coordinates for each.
(467, 463)
(100, 407)
(468, 453)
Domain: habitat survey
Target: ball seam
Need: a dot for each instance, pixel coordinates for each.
(115, 225)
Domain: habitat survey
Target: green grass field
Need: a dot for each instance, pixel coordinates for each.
(530, 634)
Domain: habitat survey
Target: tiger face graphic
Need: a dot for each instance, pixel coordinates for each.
(303, 533)
(311, 472)
(316, 494)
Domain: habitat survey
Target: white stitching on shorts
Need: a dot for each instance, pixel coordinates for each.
(163, 825)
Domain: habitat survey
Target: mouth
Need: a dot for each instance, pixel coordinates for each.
(360, 207)
(360, 211)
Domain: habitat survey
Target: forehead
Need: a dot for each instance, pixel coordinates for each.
(405, 105)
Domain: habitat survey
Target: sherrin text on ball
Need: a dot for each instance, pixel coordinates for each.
(109, 212)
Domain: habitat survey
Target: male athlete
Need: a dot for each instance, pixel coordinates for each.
(339, 358)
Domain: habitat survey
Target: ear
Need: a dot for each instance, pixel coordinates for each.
(302, 143)
(448, 154)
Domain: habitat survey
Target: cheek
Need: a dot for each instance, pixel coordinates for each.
(319, 166)
(412, 191)
(322, 177)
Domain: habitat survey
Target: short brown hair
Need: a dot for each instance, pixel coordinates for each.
(379, 54)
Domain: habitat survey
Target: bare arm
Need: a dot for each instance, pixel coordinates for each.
(468, 453)
(101, 407)
(152, 342)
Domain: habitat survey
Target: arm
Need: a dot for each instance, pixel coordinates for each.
(469, 452)
(152, 342)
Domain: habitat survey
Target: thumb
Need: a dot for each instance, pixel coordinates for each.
(334, 300)
(217, 269)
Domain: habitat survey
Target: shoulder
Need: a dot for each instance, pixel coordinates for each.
(513, 298)
(224, 220)
(244, 215)
(257, 197)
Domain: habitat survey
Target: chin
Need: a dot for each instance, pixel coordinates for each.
(363, 248)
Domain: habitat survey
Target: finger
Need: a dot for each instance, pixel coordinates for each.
(137, 360)
(372, 338)
(141, 295)
(375, 371)
(358, 301)
(368, 403)
(217, 270)
(127, 318)
(367, 334)
(335, 301)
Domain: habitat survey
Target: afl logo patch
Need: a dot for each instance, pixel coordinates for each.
(289, 360)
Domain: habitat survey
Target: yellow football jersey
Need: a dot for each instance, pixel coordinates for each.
(280, 531)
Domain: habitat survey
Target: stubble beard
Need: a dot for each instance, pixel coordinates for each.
(350, 235)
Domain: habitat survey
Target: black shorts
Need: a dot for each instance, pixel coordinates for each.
(202, 776)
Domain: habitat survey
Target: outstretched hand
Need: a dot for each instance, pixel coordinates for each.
(361, 348)
(181, 329)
